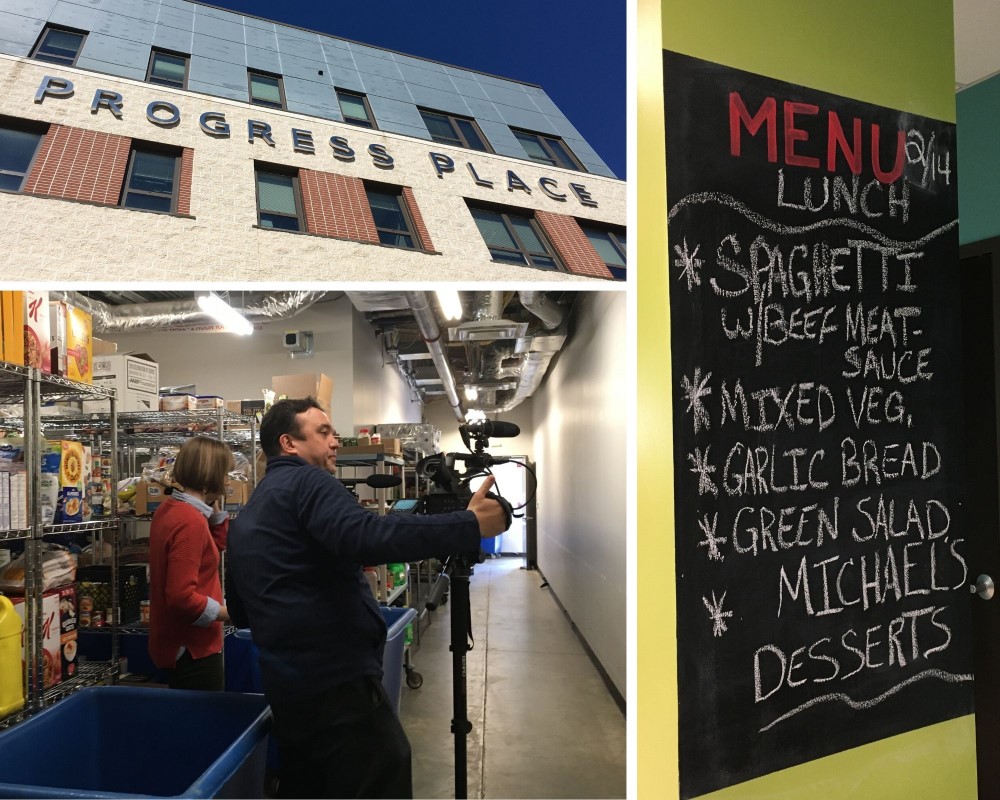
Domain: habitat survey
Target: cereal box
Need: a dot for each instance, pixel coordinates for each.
(36, 330)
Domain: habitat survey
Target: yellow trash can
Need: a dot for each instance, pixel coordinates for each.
(11, 669)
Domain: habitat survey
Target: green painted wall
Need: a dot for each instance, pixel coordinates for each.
(896, 53)
(979, 161)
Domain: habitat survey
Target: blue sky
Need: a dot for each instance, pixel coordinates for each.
(575, 50)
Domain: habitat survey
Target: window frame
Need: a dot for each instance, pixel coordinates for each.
(281, 89)
(616, 243)
(457, 130)
(371, 123)
(284, 172)
(152, 148)
(505, 213)
(542, 139)
(46, 29)
(397, 192)
(24, 126)
(153, 53)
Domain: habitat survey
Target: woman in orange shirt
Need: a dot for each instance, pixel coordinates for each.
(188, 531)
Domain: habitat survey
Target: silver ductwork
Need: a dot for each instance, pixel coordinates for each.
(538, 303)
(181, 313)
(427, 322)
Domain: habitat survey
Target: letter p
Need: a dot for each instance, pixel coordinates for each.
(53, 87)
(442, 163)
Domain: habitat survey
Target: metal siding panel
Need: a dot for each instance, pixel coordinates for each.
(170, 38)
(117, 26)
(450, 102)
(290, 31)
(425, 77)
(368, 65)
(469, 88)
(543, 102)
(111, 50)
(22, 32)
(221, 75)
(218, 28)
(502, 139)
(135, 72)
(529, 120)
(308, 93)
(419, 63)
(227, 17)
(565, 128)
(256, 22)
(588, 157)
(218, 49)
(349, 79)
(37, 9)
(260, 37)
(394, 114)
(263, 59)
(484, 110)
(323, 112)
(406, 130)
(307, 48)
(500, 83)
(73, 15)
(503, 96)
(179, 18)
(374, 85)
(339, 56)
(304, 68)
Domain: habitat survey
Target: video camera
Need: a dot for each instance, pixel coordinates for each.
(451, 490)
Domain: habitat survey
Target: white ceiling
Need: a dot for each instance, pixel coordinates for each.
(977, 55)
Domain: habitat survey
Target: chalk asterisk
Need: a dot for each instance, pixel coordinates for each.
(703, 470)
(716, 614)
(690, 264)
(711, 541)
(693, 392)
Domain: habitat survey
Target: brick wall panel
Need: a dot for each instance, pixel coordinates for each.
(572, 245)
(423, 236)
(78, 164)
(336, 205)
(184, 190)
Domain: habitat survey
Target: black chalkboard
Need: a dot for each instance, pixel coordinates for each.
(822, 581)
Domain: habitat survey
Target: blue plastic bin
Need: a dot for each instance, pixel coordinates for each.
(243, 670)
(120, 741)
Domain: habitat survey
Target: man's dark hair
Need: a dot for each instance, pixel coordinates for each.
(280, 419)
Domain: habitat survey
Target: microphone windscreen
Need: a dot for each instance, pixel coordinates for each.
(383, 481)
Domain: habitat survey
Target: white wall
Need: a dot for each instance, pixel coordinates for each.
(380, 395)
(580, 418)
(237, 367)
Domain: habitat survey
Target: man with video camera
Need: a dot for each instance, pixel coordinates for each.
(294, 577)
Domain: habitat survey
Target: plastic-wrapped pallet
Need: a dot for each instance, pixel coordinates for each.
(414, 435)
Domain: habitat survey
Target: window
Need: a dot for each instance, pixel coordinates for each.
(514, 239)
(151, 181)
(266, 90)
(59, 45)
(168, 69)
(459, 131)
(278, 204)
(610, 246)
(355, 108)
(548, 150)
(391, 219)
(17, 151)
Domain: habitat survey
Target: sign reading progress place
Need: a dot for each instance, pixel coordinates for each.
(822, 577)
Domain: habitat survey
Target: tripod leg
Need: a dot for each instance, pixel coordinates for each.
(460, 725)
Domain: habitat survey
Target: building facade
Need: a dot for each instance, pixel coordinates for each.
(170, 140)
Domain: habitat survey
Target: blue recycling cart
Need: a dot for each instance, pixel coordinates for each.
(123, 741)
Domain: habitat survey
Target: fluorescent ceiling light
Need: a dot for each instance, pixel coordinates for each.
(475, 415)
(231, 319)
(450, 303)
(471, 393)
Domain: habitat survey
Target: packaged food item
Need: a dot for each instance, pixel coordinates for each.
(36, 330)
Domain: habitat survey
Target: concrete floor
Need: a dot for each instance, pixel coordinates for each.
(544, 723)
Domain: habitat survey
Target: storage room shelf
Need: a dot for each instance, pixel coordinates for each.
(88, 673)
(395, 593)
(11, 535)
(110, 524)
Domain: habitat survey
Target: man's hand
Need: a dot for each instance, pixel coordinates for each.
(490, 514)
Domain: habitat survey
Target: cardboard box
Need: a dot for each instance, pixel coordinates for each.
(178, 402)
(57, 336)
(135, 378)
(36, 331)
(79, 345)
(235, 406)
(50, 635)
(306, 384)
(103, 348)
(68, 623)
(69, 502)
(148, 496)
(12, 304)
(208, 402)
(388, 447)
(48, 484)
(237, 494)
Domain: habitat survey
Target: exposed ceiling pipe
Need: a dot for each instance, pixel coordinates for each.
(174, 313)
(487, 305)
(538, 303)
(424, 315)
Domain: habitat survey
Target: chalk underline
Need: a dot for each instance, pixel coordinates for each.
(862, 704)
(764, 222)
